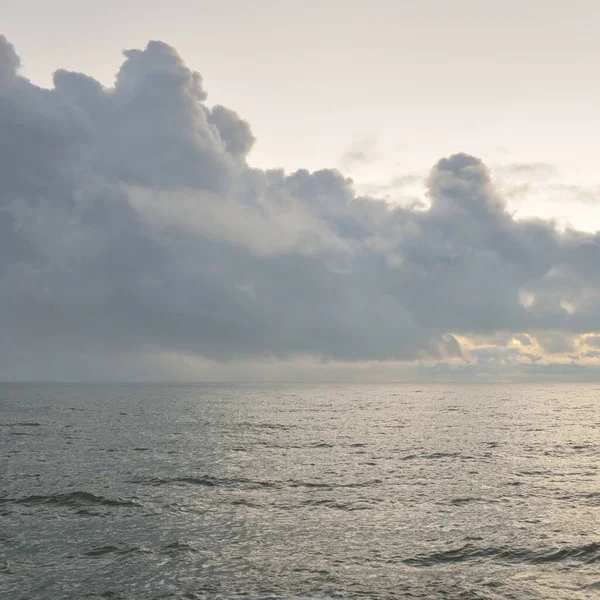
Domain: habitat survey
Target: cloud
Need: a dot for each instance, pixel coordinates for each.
(519, 182)
(132, 228)
(9, 61)
(568, 193)
(555, 343)
(235, 132)
(396, 189)
(592, 340)
(529, 171)
(523, 339)
(361, 152)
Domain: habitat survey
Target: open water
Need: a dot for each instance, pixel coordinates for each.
(299, 491)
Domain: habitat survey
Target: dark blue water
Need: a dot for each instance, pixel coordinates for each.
(299, 491)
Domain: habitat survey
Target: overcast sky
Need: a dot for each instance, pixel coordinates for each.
(299, 190)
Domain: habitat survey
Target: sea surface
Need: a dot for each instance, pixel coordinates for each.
(299, 491)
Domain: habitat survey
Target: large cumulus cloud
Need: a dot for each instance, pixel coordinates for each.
(132, 224)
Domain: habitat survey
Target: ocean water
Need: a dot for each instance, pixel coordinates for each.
(299, 491)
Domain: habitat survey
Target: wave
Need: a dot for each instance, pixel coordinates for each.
(331, 486)
(328, 503)
(205, 480)
(244, 502)
(178, 548)
(120, 550)
(71, 500)
(463, 501)
(436, 456)
(589, 553)
(592, 498)
(269, 426)
(243, 483)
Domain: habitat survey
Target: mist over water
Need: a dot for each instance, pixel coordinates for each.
(299, 491)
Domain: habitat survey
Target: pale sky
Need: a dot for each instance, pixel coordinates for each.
(137, 243)
(510, 82)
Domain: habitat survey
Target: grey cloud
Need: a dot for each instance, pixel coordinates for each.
(131, 225)
(9, 61)
(520, 371)
(235, 132)
(487, 356)
(567, 192)
(593, 340)
(555, 192)
(360, 152)
(524, 339)
(396, 188)
(402, 181)
(451, 347)
(555, 343)
(539, 170)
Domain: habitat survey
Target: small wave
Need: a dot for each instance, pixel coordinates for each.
(589, 553)
(309, 484)
(106, 550)
(328, 503)
(71, 500)
(268, 426)
(593, 498)
(463, 501)
(224, 482)
(436, 456)
(178, 548)
(206, 481)
(582, 446)
(330, 486)
(87, 512)
(360, 484)
(242, 483)
(244, 502)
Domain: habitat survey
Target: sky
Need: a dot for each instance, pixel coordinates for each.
(299, 190)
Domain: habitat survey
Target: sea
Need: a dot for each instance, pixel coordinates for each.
(299, 491)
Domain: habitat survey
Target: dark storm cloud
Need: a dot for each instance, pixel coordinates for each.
(130, 223)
